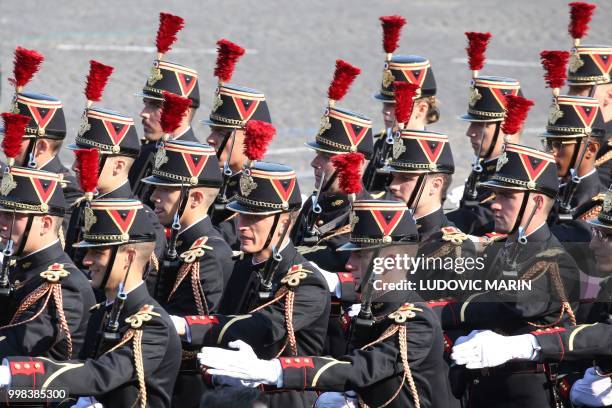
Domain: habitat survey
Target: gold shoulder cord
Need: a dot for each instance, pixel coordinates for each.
(49, 290)
(134, 333)
(407, 311)
(291, 281)
(538, 269)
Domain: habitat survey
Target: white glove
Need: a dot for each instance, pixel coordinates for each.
(482, 349)
(5, 375)
(333, 282)
(87, 402)
(592, 390)
(179, 324)
(242, 364)
(336, 400)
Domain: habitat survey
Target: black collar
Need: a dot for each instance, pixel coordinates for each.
(54, 165)
(123, 191)
(431, 223)
(36, 261)
(201, 228)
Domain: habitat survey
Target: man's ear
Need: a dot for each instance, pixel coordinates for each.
(592, 149)
(42, 146)
(196, 198)
(47, 225)
(436, 182)
(119, 165)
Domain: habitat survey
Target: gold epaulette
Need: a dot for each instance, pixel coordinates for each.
(405, 312)
(196, 251)
(295, 275)
(95, 307)
(237, 255)
(145, 314)
(603, 159)
(453, 235)
(304, 249)
(54, 273)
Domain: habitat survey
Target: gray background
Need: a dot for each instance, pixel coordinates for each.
(291, 50)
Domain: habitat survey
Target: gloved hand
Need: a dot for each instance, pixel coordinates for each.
(482, 349)
(592, 390)
(242, 364)
(87, 402)
(5, 375)
(333, 282)
(179, 324)
(336, 400)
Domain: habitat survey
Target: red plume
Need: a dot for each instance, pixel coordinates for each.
(14, 130)
(392, 27)
(228, 54)
(580, 16)
(554, 64)
(477, 46)
(404, 100)
(343, 78)
(173, 111)
(348, 166)
(96, 80)
(517, 108)
(257, 136)
(26, 64)
(87, 163)
(169, 25)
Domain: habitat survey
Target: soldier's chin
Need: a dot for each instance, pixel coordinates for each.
(249, 246)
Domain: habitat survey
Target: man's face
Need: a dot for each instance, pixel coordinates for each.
(506, 209)
(358, 263)
(388, 112)
(165, 201)
(475, 133)
(563, 151)
(253, 232)
(216, 137)
(402, 185)
(322, 166)
(601, 244)
(97, 260)
(19, 227)
(151, 115)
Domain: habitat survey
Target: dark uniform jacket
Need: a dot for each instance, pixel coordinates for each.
(143, 165)
(266, 329)
(113, 377)
(604, 158)
(204, 266)
(440, 239)
(475, 217)
(44, 334)
(517, 312)
(377, 372)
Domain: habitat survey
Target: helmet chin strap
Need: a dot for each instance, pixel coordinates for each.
(329, 182)
(522, 229)
(26, 234)
(413, 201)
(29, 157)
(487, 155)
(109, 267)
(272, 231)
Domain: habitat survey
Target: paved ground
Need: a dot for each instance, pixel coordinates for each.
(292, 47)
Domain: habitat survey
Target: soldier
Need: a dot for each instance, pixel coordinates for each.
(525, 185)
(134, 346)
(233, 106)
(197, 263)
(412, 69)
(114, 137)
(323, 223)
(45, 298)
(589, 75)
(46, 129)
(486, 112)
(293, 319)
(580, 343)
(421, 168)
(170, 77)
(395, 358)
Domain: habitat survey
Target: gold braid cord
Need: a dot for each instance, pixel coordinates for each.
(289, 296)
(541, 267)
(134, 333)
(154, 262)
(49, 291)
(196, 287)
(402, 340)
